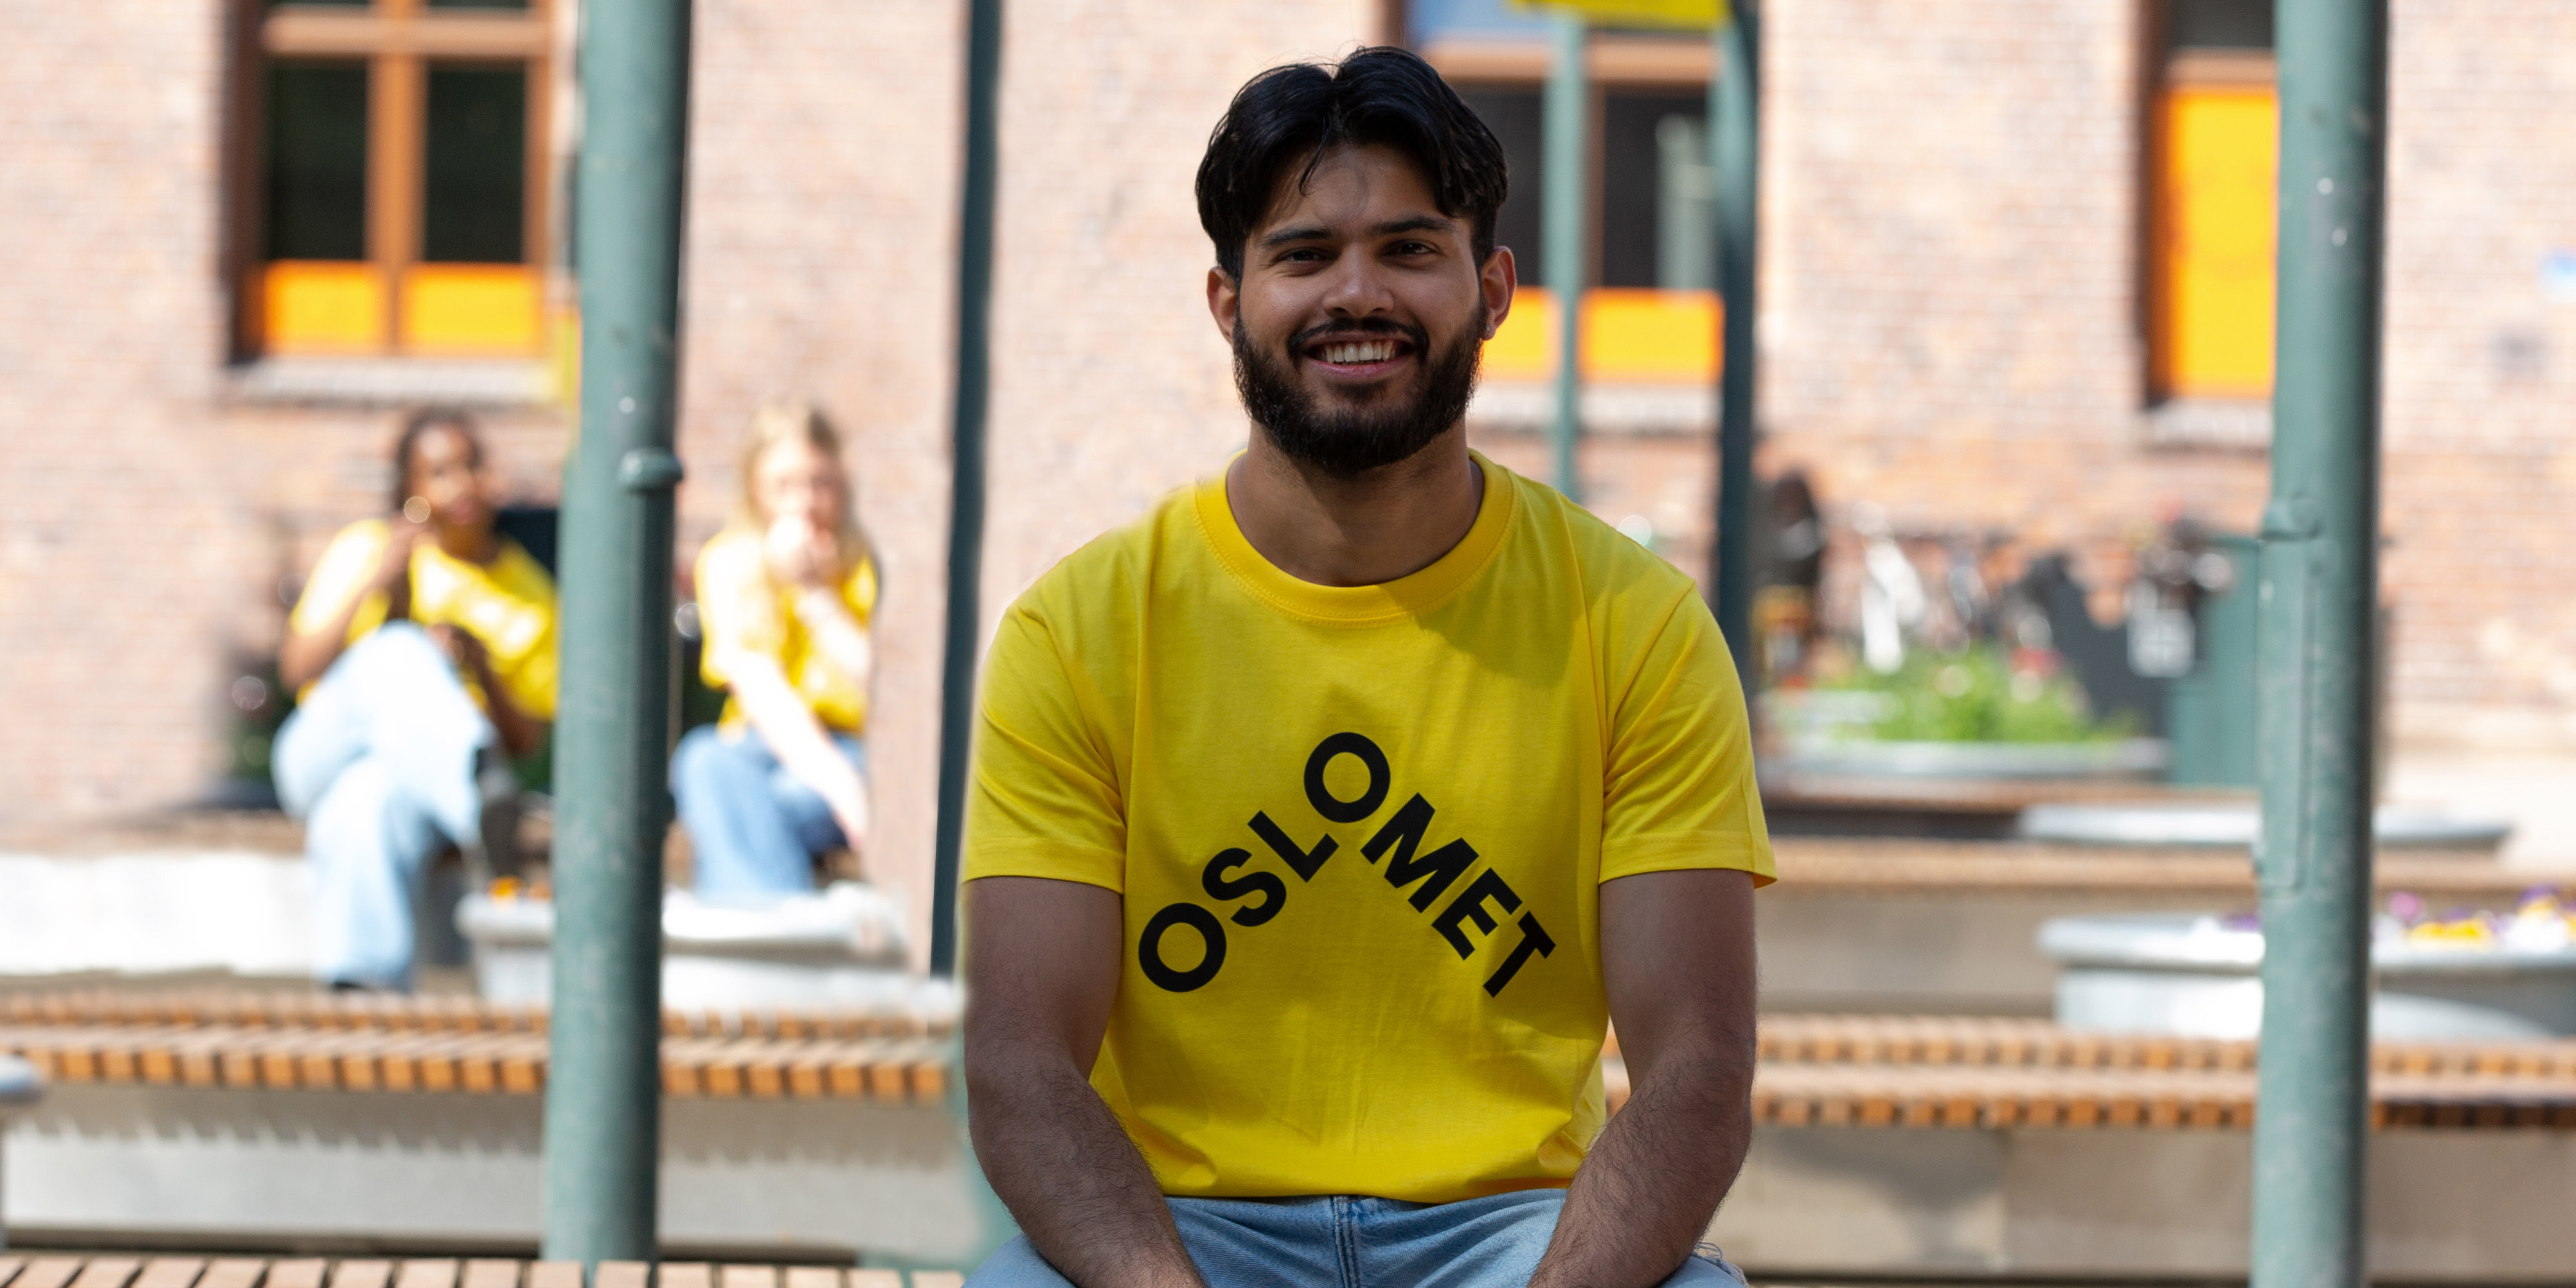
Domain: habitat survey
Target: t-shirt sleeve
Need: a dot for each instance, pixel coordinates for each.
(340, 575)
(859, 591)
(1045, 800)
(737, 610)
(527, 660)
(1680, 790)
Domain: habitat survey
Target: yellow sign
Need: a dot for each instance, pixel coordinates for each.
(1695, 14)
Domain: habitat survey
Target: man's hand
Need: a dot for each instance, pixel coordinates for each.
(402, 536)
(800, 553)
(1042, 967)
(1677, 960)
(520, 732)
(463, 649)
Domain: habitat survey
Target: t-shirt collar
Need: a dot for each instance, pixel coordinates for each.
(1359, 605)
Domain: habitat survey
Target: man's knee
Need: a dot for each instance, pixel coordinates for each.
(364, 817)
(1706, 1267)
(698, 761)
(401, 648)
(1017, 1265)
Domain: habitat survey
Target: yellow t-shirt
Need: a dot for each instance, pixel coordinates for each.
(1360, 832)
(740, 607)
(508, 604)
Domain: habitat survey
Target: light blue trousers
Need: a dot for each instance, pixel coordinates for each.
(1340, 1242)
(378, 761)
(754, 828)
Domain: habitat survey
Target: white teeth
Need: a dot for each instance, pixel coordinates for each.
(1372, 351)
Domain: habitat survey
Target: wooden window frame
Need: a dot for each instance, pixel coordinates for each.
(2164, 70)
(397, 40)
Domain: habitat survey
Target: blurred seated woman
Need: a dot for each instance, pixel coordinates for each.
(785, 593)
(423, 653)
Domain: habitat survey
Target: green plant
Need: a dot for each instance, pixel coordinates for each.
(1979, 696)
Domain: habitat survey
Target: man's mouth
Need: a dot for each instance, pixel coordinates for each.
(1362, 358)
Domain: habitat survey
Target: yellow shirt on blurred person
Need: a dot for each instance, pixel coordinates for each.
(740, 606)
(509, 605)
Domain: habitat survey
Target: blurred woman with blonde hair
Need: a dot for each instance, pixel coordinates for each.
(785, 595)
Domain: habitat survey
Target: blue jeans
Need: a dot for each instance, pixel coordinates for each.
(378, 761)
(1492, 1242)
(754, 829)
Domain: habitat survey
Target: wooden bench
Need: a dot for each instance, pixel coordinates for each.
(93, 1270)
(257, 1009)
(1899, 1071)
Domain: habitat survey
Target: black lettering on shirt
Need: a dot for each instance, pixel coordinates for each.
(1470, 906)
(1273, 891)
(1333, 808)
(1533, 939)
(1441, 867)
(1149, 948)
(1304, 862)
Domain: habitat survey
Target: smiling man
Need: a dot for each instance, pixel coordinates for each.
(1325, 817)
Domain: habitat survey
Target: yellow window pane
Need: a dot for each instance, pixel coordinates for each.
(322, 306)
(2215, 242)
(1524, 346)
(472, 309)
(1646, 335)
(1629, 335)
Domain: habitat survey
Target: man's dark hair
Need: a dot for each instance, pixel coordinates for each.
(419, 422)
(1379, 95)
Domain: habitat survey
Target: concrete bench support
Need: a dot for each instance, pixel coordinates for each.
(823, 1179)
(2459, 1205)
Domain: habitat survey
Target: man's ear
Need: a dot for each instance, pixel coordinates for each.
(1225, 302)
(1499, 280)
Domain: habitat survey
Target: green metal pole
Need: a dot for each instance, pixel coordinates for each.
(1735, 140)
(1567, 179)
(966, 477)
(2319, 589)
(613, 739)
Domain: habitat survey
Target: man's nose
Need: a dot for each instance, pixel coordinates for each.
(1357, 290)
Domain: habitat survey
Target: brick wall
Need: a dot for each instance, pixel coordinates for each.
(1951, 332)
(109, 476)
(1951, 318)
(2480, 371)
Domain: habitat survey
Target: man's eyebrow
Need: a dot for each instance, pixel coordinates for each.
(1317, 232)
(1416, 224)
(1308, 232)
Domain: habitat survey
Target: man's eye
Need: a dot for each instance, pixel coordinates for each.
(1415, 248)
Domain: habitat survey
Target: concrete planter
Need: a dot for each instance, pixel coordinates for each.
(2198, 976)
(2125, 758)
(842, 947)
(2223, 825)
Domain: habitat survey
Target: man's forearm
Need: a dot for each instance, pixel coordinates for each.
(797, 737)
(1653, 1180)
(843, 642)
(1065, 1168)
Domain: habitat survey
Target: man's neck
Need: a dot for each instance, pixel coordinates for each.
(468, 545)
(1365, 531)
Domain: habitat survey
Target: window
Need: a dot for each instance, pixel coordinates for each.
(2213, 138)
(400, 200)
(1651, 314)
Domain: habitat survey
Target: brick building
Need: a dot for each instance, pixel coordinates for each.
(1965, 299)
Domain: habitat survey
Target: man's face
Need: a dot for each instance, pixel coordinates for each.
(1360, 315)
(446, 469)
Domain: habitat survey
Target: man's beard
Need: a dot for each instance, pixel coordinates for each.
(1347, 441)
